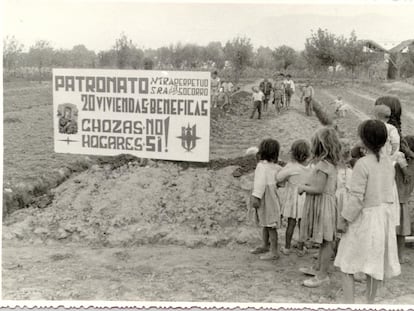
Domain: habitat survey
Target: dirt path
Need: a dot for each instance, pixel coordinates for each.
(231, 274)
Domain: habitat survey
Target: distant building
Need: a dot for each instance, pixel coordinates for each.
(399, 55)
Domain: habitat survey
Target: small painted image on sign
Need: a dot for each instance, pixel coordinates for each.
(68, 118)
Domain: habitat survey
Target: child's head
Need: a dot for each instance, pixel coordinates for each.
(394, 104)
(373, 134)
(382, 113)
(269, 150)
(288, 76)
(339, 98)
(326, 145)
(357, 152)
(255, 89)
(300, 151)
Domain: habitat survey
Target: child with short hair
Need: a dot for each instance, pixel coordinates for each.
(294, 174)
(368, 244)
(257, 99)
(265, 199)
(319, 211)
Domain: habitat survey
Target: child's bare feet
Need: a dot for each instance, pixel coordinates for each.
(301, 252)
(259, 250)
(285, 251)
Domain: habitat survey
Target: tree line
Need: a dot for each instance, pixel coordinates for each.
(323, 50)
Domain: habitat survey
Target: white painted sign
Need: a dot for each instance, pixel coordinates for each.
(146, 113)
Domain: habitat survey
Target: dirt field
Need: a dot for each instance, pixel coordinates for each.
(162, 232)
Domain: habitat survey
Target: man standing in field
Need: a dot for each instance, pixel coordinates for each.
(215, 87)
(307, 95)
(266, 88)
(289, 89)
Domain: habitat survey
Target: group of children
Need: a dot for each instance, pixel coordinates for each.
(280, 94)
(221, 91)
(350, 201)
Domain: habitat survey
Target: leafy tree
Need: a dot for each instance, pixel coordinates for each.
(321, 49)
(214, 53)
(240, 53)
(350, 52)
(284, 56)
(12, 50)
(264, 58)
(107, 59)
(127, 54)
(41, 55)
(81, 57)
(148, 63)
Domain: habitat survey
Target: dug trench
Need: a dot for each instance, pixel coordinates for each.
(165, 231)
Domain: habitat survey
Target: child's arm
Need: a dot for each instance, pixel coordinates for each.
(285, 173)
(317, 186)
(358, 185)
(259, 185)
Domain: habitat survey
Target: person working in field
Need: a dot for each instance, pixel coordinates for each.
(289, 89)
(215, 87)
(266, 87)
(307, 95)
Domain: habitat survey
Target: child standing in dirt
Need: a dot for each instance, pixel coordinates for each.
(319, 211)
(289, 89)
(368, 244)
(294, 174)
(265, 199)
(257, 99)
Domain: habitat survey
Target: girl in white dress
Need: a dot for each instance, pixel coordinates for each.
(368, 244)
(292, 175)
(265, 201)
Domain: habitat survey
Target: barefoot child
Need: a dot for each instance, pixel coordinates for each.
(319, 211)
(265, 199)
(294, 174)
(368, 244)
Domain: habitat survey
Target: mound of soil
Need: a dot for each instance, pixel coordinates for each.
(134, 205)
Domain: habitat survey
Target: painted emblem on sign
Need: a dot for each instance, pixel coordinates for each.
(188, 137)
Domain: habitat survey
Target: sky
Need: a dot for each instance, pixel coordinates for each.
(97, 23)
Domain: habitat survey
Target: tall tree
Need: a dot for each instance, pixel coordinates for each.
(264, 58)
(41, 55)
(350, 52)
(320, 49)
(240, 53)
(284, 56)
(127, 54)
(214, 53)
(81, 57)
(12, 50)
